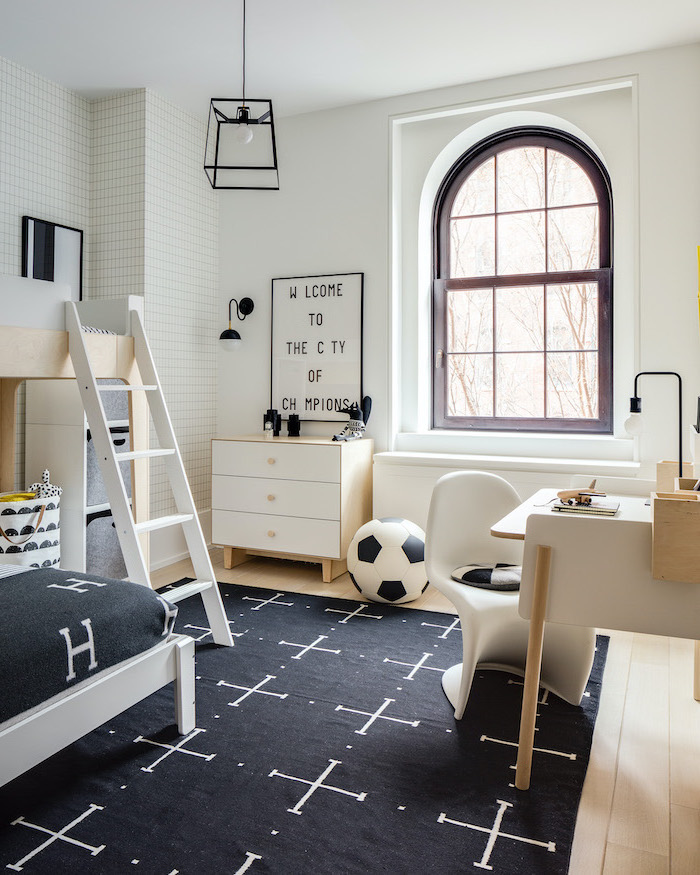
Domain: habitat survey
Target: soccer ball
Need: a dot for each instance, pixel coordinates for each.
(386, 560)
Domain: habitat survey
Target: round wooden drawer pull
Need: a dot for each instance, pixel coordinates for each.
(271, 461)
(270, 534)
(270, 497)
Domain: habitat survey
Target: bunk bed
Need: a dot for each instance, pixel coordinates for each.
(38, 732)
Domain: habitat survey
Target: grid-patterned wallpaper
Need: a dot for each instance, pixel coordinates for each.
(154, 232)
(44, 155)
(181, 287)
(128, 171)
(117, 203)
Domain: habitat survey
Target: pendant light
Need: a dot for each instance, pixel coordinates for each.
(241, 151)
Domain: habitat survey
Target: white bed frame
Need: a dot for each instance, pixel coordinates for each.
(30, 349)
(28, 741)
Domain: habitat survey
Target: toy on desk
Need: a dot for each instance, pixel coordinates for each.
(579, 496)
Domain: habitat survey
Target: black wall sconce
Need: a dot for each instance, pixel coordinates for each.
(633, 424)
(230, 338)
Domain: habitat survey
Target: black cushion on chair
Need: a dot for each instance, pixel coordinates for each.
(501, 576)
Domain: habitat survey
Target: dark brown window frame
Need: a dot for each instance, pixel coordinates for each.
(591, 164)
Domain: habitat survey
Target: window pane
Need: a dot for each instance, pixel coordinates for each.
(520, 319)
(572, 385)
(472, 247)
(573, 239)
(521, 243)
(470, 320)
(520, 179)
(470, 385)
(567, 183)
(572, 316)
(477, 194)
(520, 385)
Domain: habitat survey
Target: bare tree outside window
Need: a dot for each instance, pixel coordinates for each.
(522, 300)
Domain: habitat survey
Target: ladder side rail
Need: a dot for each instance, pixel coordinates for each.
(184, 501)
(106, 457)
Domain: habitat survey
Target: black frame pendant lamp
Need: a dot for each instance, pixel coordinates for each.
(241, 151)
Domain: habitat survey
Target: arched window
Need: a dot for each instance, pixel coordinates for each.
(522, 300)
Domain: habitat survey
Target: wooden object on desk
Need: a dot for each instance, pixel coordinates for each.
(676, 536)
(290, 498)
(666, 472)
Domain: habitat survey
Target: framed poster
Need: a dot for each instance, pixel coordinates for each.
(53, 252)
(317, 345)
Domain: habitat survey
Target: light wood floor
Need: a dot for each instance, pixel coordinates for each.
(640, 809)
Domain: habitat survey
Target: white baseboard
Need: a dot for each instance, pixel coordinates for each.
(168, 545)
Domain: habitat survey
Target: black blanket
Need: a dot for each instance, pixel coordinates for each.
(59, 628)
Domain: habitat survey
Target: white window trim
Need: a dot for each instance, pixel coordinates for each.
(411, 282)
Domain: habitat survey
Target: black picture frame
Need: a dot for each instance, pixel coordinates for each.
(317, 327)
(54, 253)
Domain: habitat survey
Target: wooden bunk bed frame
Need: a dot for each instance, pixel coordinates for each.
(40, 353)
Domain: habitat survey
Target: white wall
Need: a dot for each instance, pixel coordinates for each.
(128, 171)
(344, 186)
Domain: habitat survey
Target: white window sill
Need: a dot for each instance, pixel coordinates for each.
(575, 454)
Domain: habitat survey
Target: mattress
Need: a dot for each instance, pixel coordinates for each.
(59, 629)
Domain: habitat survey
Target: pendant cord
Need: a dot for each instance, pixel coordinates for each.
(243, 52)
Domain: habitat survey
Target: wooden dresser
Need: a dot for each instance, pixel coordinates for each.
(292, 498)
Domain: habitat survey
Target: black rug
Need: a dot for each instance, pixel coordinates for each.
(324, 744)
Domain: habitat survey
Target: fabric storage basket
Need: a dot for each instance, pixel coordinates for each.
(29, 530)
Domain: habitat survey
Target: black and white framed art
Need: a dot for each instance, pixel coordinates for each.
(53, 252)
(317, 345)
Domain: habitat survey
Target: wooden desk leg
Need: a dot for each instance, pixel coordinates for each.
(696, 675)
(532, 669)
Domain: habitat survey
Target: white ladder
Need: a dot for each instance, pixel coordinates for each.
(127, 529)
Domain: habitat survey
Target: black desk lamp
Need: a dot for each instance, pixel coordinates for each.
(633, 425)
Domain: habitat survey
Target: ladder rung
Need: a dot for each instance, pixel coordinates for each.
(142, 454)
(186, 590)
(126, 387)
(163, 522)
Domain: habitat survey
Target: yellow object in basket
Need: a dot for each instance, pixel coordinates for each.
(18, 496)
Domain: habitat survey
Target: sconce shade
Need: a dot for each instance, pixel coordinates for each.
(241, 151)
(230, 339)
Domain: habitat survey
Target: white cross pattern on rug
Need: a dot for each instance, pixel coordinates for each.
(556, 753)
(315, 785)
(544, 694)
(207, 631)
(270, 601)
(250, 690)
(378, 715)
(174, 748)
(495, 833)
(60, 835)
(356, 613)
(416, 666)
(250, 859)
(454, 625)
(306, 647)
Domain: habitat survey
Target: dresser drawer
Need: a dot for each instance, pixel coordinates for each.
(276, 460)
(306, 537)
(281, 497)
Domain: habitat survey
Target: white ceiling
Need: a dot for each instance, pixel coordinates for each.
(314, 54)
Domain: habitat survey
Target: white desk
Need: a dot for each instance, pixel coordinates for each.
(591, 570)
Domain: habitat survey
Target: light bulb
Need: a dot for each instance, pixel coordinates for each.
(244, 134)
(634, 424)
